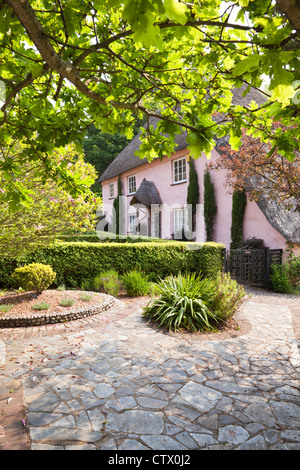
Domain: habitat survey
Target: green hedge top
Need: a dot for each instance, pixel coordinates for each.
(76, 262)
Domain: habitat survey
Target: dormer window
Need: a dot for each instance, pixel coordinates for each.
(179, 170)
(131, 185)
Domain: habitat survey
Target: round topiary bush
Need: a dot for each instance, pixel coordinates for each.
(34, 277)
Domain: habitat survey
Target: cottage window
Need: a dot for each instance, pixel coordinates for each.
(179, 170)
(132, 223)
(131, 185)
(111, 190)
(180, 220)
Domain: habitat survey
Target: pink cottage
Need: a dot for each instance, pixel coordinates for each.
(154, 197)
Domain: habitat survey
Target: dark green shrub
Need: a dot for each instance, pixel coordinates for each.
(193, 192)
(135, 283)
(293, 269)
(279, 279)
(239, 202)
(35, 276)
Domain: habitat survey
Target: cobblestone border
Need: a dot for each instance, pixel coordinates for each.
(60, 317)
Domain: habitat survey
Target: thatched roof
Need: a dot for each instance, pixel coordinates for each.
(147, 194)
(127, 160)
(286, 222)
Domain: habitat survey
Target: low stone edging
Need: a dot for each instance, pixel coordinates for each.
(60, 317)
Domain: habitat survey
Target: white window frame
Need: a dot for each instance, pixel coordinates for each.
(179, 170)
(133, 222)
(180, 219)
(131, 184)
(111, 190)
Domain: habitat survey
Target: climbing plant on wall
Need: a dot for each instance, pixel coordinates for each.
(239, 201)
(210, 206)
(193, 192)
(116, 206)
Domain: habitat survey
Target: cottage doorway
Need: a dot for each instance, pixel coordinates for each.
(155, 219)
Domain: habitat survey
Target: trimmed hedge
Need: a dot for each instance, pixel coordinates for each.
(77, 262)
(93, 238)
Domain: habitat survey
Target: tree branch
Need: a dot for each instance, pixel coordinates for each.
(291, 9)
(66, 69)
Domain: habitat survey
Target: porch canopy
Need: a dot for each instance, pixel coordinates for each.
(147, 194)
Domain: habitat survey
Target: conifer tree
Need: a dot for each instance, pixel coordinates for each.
(239, 201)
(210, 206)
(116, 206)
(193, 192)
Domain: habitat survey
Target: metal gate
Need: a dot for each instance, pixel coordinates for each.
(250, 266)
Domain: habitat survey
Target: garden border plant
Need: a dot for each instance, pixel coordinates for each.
(193, 303)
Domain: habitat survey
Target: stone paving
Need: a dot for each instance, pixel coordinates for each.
(115, 382)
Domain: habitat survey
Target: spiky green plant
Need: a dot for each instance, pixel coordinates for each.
(183, 302)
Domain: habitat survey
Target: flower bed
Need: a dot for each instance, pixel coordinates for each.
(22, 313)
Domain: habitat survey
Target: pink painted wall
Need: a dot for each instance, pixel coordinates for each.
(174, 196)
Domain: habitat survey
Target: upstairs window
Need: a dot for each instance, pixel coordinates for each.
(179, 170)
(111, 190)
(131, 185)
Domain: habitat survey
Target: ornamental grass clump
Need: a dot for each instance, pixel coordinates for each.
(34, 277)
(135, 283)
(108, 282)
(190, 302)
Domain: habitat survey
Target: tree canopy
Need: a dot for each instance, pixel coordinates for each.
(50, 210)
(65, 64)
